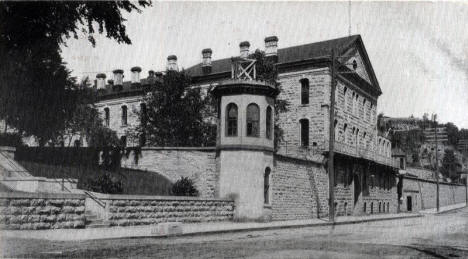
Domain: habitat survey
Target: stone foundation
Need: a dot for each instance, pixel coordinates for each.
(41, 211)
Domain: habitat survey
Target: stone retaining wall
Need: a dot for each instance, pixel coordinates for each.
(198, 164)
(41, 211)
(127, 210)
(423, 194)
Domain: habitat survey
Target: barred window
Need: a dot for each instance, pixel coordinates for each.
(304, 132)
(304, 91)
(266, 186)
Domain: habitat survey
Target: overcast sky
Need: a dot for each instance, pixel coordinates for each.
(419, 50)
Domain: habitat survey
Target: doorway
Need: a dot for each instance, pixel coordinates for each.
(409, 203)
(357, 188)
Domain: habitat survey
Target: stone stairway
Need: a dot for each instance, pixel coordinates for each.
(92, 221)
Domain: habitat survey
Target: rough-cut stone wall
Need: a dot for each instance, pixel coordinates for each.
(378, 189)
(299, 189)
(198, 164)
(41, 211)
(423, 194)
(126, 210)
(319, 83)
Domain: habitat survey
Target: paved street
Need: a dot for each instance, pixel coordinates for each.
(432, 236)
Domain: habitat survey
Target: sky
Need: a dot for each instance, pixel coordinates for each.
(419, 50)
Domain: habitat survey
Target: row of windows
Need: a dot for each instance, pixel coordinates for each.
(124, 115)
(252, 121)
(354, 108)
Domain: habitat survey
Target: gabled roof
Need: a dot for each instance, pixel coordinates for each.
(298, 53)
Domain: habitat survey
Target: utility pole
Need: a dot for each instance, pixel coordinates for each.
(434, 116)
(331, 143)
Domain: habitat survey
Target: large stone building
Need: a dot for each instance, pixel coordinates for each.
(291, 183)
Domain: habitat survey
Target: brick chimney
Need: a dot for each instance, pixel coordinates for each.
(118, 77)
(135, 75)
(271, 47)
(244, 49)
(101, 81)
(172, 62)
(206, 60)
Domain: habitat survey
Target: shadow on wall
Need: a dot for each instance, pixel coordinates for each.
(133, 181)
(320, 208)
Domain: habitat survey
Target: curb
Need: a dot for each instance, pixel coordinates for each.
(449, 210)
(223, 231)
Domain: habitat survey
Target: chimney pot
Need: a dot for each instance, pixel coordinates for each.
(101, 81)
(206, 60)
(135, 75)
(271, 46)
(172, 62)
(244, 49)
(118, 77)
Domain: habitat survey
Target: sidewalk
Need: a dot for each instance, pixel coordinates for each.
(188, 229)
(443, 209)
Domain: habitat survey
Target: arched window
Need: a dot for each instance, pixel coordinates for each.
(143, 113)
(231, 120)
(106, 116)
(357, 138)
(253, 119)
(304, 91)
(356, 111)
(124, 115)
(345, 127)
(345, 102)
(304, 132)
(268, 126)
(266, 186)
(335, 126)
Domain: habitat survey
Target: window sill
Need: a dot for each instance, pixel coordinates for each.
(267, 206)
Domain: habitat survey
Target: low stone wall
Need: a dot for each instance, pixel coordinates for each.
(127, 210)
(196, 163)
(41, 211)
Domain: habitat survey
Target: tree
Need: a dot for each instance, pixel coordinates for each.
(452, 133)
(267, 71)
(449, 163)
(35, 95)
(176, 114)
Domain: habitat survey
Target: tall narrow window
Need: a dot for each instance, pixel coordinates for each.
(124, 115)
(143, 113)
(253, 119)
(106, 116)
(231, 120)
(304, 132)
(304, 91)
(357, 138)
(266, 186)
(356, 111)
(345, 102)
(268, 126)
(345, 127)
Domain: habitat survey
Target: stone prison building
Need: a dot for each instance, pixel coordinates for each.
(291, 182)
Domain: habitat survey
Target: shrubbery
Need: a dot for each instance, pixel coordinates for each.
(184, 187)
(104, 183)
(11, 139)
